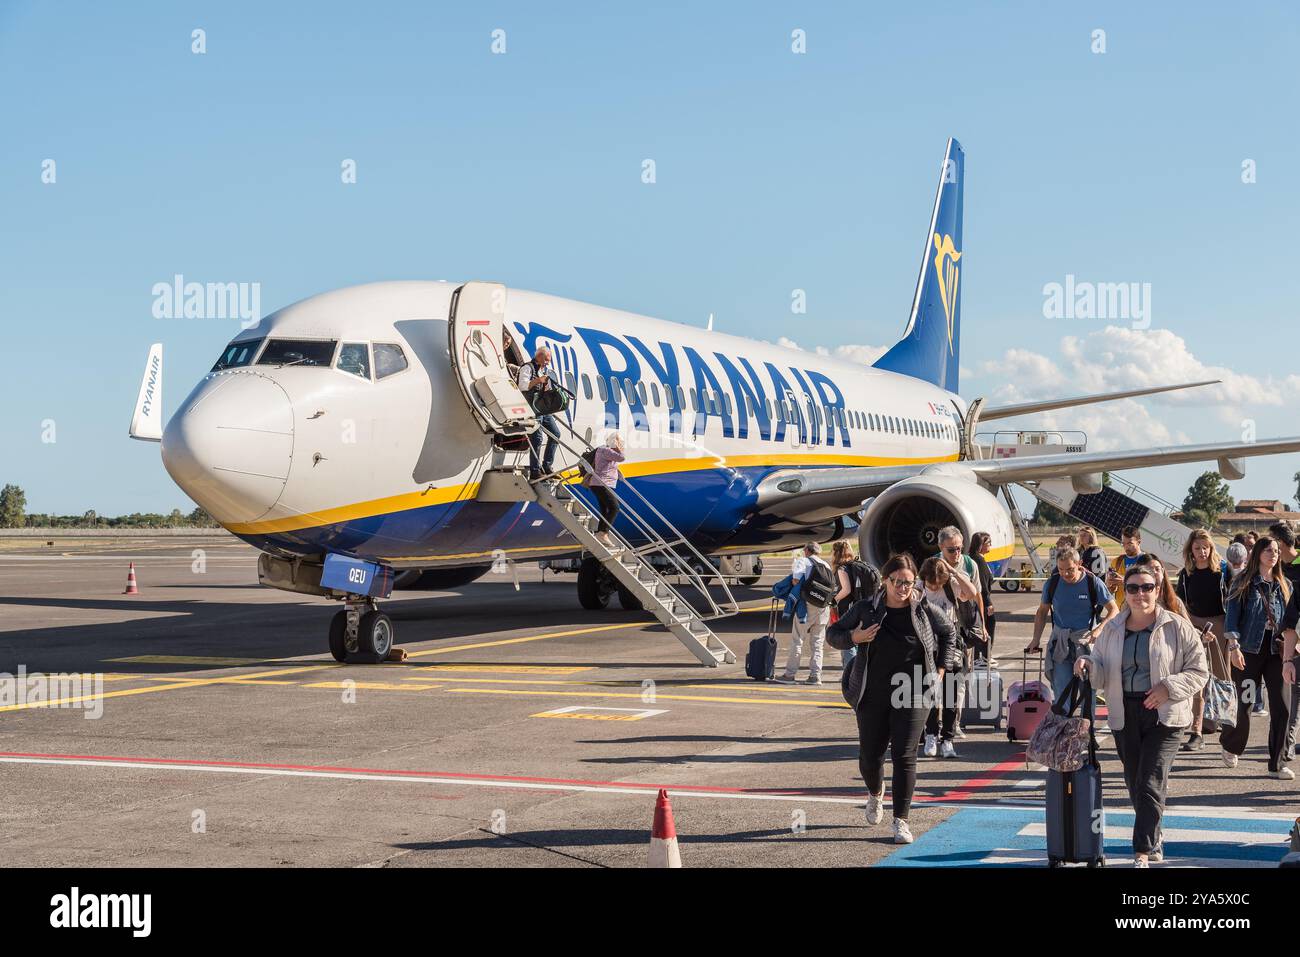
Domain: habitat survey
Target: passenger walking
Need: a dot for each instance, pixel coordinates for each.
(1203, 587)
(1254, 625)
(965, 584)
(1166, 595)
(535, 379)
(1130, 538)
(904, 640)
(941, 724)
(1076, 603)
(1090, 553)
(602, 481)
(1289, 558)
(1151, 664)
(815, 584)
(1237, 556)
(981, 543)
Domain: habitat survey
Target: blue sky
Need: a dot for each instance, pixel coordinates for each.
(775, 172)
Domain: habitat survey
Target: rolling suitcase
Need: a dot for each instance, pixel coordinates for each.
(1076, 818)
(984, 699)
(1027, 702)
(760, 660)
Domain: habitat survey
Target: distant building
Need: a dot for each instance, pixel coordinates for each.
(1252, 514)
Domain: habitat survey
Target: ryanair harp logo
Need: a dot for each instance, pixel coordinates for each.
(947, 273)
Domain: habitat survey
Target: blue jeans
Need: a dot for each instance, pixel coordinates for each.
(847, 656)
(535, 445)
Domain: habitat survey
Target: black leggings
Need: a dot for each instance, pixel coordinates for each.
(1262, 668)
(608, 507)
(943, 721)
(881, 726)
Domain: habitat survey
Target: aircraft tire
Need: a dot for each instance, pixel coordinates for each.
(374, 637)
(629, 601)
(338, 636)
(590, 595)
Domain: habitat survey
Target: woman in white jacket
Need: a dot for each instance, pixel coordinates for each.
(1151, 664)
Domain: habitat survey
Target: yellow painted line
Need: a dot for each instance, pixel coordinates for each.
(611, 683)
(371, 685)
(184, 660)
(516, 641)
(148, 689)
(658, 696)
(513, 669)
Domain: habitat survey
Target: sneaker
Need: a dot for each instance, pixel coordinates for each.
(1229, 759)
(1284, 774)
(1193, 743)
(1260, 711)
(1157, 853)
(875, 808)
(959, 734)
(784, 679)
(931, 747)
(946, 750)
(813, 680)
(1139, 861)
(902, 833)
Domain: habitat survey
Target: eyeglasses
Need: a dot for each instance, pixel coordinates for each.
(1145, 588)
(953, 550)
(904, 583)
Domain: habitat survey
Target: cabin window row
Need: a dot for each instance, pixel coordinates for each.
(782, 410)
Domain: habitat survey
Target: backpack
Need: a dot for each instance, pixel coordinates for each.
(818, 584)
(864, 580)
(589, 457)
(1049, 592)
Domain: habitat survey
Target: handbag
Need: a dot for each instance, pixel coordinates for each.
(1062, 740)
(1220, 697)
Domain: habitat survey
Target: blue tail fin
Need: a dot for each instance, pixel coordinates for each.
(931, 345)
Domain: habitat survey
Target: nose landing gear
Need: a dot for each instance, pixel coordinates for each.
(360, 633)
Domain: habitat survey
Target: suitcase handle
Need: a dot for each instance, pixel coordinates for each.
(1024, 662)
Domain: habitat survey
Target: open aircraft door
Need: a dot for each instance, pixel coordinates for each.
(475, 331)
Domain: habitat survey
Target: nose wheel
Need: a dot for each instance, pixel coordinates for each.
(361, 634)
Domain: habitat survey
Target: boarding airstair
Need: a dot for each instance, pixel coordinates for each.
(1107, 508)
(643, 559)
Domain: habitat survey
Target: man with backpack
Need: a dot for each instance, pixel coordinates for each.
(1077, 603)
(538, 387)
(815, 585)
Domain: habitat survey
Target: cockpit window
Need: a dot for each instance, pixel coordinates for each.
(238, 354)
(298, 352)
(354, 357)
(389, 359)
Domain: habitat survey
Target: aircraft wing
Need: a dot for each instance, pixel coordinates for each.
(1062, 465)
(1047, 405)
(818, 494)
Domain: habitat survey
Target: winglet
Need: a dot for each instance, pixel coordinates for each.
(146, 423)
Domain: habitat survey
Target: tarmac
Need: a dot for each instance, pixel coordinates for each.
(522, 731)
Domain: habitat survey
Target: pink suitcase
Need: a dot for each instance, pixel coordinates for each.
(1027, 702)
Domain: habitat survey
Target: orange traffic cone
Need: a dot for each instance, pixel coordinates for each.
(663, 835)
(131, 587)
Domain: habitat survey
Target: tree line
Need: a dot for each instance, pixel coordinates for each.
(14, 514)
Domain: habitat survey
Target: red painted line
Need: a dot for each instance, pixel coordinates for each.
(994, 775)
(478, 322)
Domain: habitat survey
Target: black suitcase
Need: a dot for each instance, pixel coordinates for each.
(1076, 818)
(760, 660)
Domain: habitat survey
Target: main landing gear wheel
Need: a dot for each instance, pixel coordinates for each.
(749, 581)
(593, 589)
(369, 644)
(628, 600)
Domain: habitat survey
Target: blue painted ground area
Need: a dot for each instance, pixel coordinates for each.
(1011, 837)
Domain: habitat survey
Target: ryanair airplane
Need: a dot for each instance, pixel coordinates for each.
(348, 436)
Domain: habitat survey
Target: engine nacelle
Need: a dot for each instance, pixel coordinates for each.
(908, 515)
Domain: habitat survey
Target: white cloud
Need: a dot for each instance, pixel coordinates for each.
(863, 354)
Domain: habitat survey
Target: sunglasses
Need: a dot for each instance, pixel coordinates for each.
(1144, 588)
(904, 583)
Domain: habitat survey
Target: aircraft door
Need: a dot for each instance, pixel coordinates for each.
(476, 347)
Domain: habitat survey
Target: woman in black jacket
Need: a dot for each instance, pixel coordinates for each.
(903, 644)
(980, 544)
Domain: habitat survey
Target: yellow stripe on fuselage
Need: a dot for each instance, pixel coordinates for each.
(454, 493)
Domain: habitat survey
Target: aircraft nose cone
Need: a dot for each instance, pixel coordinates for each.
(231, 445)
